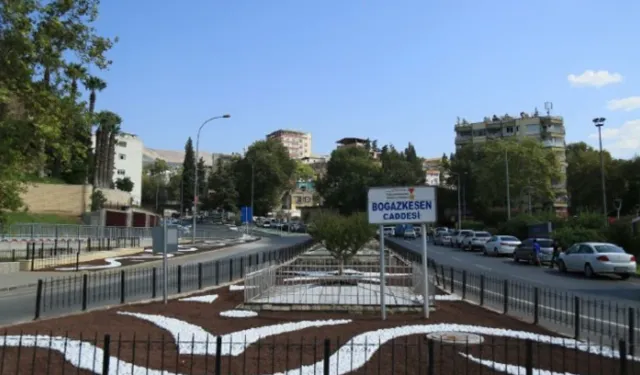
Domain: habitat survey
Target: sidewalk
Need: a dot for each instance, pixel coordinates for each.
(24, 279)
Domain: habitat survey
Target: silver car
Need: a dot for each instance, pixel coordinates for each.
(525, 251)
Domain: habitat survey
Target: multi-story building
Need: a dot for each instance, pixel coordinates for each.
(173, 158)
(223, 158)
(297, 143)
(128, 162)
(357, 142)
(547, 129)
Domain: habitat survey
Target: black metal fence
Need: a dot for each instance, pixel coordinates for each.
(579, 316)
(64, 247)
(104, 288)
(409, 355)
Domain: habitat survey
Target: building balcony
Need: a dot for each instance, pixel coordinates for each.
(464, 139)
(554, 142)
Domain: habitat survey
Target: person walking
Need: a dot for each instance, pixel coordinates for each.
(536, 252)
(556, 252)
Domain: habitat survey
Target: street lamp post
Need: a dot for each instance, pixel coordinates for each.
(195, 186)
(253, 164)
(506, 170)
(459, 200)
(599, 123)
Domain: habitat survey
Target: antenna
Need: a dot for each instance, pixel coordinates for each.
(548, 106)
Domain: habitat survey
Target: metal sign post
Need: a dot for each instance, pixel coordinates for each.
(402, 205)
(425, 271)
(383, 304)
(165, 266)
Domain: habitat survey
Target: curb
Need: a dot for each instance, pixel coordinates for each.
(10, 288)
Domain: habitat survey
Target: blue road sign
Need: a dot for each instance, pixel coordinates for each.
(246, 215)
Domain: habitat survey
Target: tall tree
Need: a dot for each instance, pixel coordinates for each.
(37, 100)
(350, 172)
(222, 184)
(202, 179)
(109, 125)
(273, 175)
(188, 174)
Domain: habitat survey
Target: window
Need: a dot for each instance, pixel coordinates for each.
(483, 234)
(509, 129)
(509, 238)
(609, 249)
(533, 129)
(585, 249)
(121, 172)
(122, 144)
(122, 157)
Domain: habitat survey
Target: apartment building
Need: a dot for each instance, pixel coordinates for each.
(128, 162)
(547, 129)
(297, 143)
(357, 142)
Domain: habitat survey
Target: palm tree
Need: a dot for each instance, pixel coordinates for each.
(75, 72)
(95, 84)
(108, 126)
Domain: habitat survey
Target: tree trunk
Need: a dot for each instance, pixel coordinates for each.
(97, 153)
(111, 157)
(104, 156)
(341, 267)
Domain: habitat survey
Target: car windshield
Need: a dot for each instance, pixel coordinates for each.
(609, 249)
(508, 238)
(545, 243)
(483, 234)
(466, 232)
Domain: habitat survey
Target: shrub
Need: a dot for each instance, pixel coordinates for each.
(587, 220)
(518, 226)
(473, 225)
(569, 235)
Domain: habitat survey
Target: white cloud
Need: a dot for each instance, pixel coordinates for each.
(594, 78)
(622, 142)
(626, 104)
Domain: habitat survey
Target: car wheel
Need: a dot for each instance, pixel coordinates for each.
(495, 251)
(562, 267)
(484, 252)
(625, 276)
(515, 258)
(588, 271)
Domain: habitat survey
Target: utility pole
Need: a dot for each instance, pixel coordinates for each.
(506, 169)
(253, 164)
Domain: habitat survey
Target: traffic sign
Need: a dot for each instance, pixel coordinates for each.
(246, 215)
(402, 205)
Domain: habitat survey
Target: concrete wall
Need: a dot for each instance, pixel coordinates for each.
(67, 199)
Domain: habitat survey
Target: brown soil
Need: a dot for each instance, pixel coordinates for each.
(155, 349)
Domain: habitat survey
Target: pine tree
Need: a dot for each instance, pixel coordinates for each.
(188, 174)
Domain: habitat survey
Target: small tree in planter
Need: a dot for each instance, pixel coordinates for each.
(342, 236)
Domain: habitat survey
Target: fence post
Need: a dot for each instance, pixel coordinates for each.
(33, 256)
(576, 317)
(154, 282)
(632, 331)
(622, 349)
(326, 356)
(230, 269)
(123, 287)
(241, 267)
(106, 354)
(481, 290)
(444, 281)
(218, 364)
(85, 282)
(38, 299)
(179, 278)
(217, 269)
(451, 273)
(431, 370)
(505, 296)
(464, 284)
(536, 305)
(529, 357)
(199, 275)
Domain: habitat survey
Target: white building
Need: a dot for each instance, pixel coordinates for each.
(432, 177)
(297, 143)
(128, 162)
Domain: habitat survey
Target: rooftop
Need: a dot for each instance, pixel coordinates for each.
(285, 131)
(173, 156)
(346, 141)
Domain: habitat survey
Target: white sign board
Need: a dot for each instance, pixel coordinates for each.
(402, 205)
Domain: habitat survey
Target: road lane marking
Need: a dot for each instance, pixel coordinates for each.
(457, 259)
(483, 267)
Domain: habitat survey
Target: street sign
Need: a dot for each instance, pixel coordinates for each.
(402, 205)
(246, 215)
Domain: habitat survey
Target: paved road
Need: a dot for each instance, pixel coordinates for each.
(63, 292)
(607, 316)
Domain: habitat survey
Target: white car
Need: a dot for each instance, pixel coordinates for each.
(501, 245)
(597, 258)
(389, 231)
(442, 239)
(475, 241)
(410, 233)
(457, 240)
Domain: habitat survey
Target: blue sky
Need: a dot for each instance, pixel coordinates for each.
(397, 71)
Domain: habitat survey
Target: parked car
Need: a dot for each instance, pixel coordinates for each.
(501, 245)
(389, 231)
(457, 241)
(475, 241)
(525, 251)
(418, 230)
(597, 258)
(442, 239)
(410, 233)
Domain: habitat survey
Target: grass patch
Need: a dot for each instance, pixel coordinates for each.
(29, 217)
